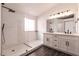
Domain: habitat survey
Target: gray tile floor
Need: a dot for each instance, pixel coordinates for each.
(46, 51)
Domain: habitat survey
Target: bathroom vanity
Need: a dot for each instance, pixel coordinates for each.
(68, 43)
(62, 34)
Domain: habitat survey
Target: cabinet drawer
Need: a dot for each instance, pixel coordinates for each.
(48, 41)
(72, 37)
(55, 45)
(62, 37)
(55, 40)
(48, 35)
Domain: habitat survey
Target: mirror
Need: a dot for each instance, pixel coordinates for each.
(55, 25)
(62, 24)
(69, 26)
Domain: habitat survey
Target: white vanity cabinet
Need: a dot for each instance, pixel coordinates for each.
(66, 43)
(54, 41)
(77, 47)
(48, 40)
(62, 42)
(74, 45)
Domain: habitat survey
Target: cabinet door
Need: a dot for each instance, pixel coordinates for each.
(77, 46)
(48, 40)
(62, 43)
(54, 41)
(72, 45)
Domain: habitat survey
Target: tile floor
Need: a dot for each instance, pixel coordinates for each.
(46, 51)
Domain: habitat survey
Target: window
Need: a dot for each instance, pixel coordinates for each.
(29, 24)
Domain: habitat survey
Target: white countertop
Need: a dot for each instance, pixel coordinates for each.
(74, 34)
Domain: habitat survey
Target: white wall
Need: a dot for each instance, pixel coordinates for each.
(58, 8)
(41, 24)
(22, 35)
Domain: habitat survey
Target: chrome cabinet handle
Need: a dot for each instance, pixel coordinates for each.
(55, 36)
(55, 45)
(47, 39)
(67, 43)
(55, 40)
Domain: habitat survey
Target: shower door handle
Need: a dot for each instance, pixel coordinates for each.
(3, 27)
(3, 33)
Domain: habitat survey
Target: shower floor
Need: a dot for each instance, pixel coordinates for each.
(21, 49)
(46, 51)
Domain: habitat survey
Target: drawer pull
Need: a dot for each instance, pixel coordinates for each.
(55, 45)
(55, 40)
(47, 39)
(67, 43)
(55, 36)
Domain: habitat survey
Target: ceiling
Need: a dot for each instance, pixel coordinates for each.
(34, 9)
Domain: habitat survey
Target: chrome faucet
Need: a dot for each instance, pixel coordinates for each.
(68, 32)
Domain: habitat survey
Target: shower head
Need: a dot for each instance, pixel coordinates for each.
(9, 9)
(3, 3)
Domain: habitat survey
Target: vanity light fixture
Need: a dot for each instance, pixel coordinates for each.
(58, 13)
(54, 14)
(50, 15)
(61, 14)
(67, 10)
